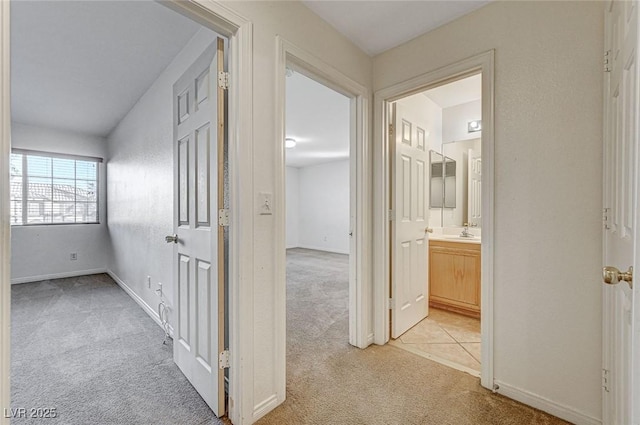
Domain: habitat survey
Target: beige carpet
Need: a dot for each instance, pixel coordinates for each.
(331, 382)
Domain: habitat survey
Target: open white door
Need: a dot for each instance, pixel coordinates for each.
(199, 267)
(621, 309)
(474, 195)
(410, 195)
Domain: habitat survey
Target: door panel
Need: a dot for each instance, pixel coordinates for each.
(409, 262)
(200, 288)
(620, 238)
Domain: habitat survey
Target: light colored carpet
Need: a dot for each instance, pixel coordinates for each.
(83, 346)
(331, 382)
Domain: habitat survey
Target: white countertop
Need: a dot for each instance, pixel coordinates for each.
(454, 238)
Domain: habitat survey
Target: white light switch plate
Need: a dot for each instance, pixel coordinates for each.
(265, 203)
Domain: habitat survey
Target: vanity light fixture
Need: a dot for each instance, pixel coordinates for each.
(474, 126)
(289, 143)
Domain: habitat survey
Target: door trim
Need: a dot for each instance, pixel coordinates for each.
(239, 31)
(5, 229)
(360, 334)
(484, 63)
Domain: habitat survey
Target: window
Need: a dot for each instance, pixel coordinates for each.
(49, 188)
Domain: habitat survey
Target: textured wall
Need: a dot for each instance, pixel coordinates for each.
(456, 118)
(42, 252)
(548, 156)
(140, 183)
(297, 24)
(324, 207)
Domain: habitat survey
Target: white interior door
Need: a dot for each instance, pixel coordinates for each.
(474, 195)
(621, 327)
(410, 195)
(198, 278)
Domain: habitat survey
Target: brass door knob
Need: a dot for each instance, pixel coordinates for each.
(611, 276)
(428, 230)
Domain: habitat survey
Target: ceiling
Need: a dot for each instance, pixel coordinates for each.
(318, 118)
(456, 93)
(376, 26)
(82, 65)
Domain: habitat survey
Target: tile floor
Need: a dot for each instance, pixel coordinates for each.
(447, 338)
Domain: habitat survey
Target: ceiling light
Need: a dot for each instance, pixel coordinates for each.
(289, 143)
(474, 126)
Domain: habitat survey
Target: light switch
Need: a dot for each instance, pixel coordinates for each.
(266, 203)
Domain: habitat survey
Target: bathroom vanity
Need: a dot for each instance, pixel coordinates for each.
(454, 275)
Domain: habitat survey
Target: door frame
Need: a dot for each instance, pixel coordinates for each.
(5, 228)
(609, 403)
(483, 63)
(239, 31)
(288, 54)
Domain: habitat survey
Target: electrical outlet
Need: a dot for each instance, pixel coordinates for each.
(149, 282)
(73, 256)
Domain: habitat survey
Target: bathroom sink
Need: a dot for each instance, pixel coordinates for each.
(460, 237)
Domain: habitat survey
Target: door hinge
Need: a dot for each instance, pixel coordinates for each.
(223, 80)
(606, 380)
(391, 215)
(223, 359)
(391, 304)
(607, 61)
(223, 217)
(390, 129)
(605, 218)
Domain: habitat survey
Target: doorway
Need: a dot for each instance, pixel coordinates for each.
(386, 304)
(436, 224)
(229, 30)
(318, 223)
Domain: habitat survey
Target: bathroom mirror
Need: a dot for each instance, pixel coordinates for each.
(436, 179)
(462, 183)
(442, 177)
(449, 183)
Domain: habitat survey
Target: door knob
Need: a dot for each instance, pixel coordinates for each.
(171, 238)
(428, 230)
(612, 275)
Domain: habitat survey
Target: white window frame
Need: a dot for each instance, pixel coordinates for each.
(25, 182)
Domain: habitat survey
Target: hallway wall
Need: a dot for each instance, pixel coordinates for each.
(548, 196)
(298, 25)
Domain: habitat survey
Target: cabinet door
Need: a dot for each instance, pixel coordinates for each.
(455, 277)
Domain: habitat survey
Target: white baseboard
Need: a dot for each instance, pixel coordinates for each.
(146, 307)
(546, 405)
(63, 275)
(315, 248)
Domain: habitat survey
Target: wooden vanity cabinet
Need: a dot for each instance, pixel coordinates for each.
(454, 277)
